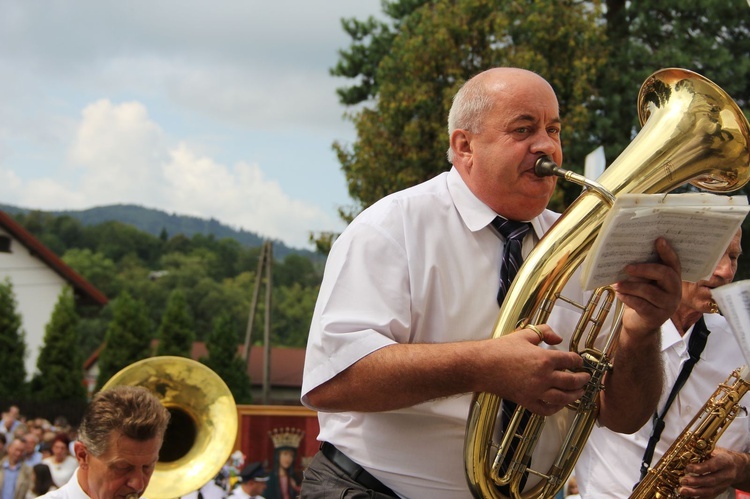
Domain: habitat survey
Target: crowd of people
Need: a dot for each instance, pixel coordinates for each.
(35, 455)
(38, 457)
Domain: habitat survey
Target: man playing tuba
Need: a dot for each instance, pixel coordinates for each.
(399, 337)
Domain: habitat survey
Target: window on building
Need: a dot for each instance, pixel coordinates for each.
(4, 244)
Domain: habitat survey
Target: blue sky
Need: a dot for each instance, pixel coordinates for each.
(220, 109)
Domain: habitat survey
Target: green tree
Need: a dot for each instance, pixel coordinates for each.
(95, 267)
(293, 307)
(296, 269)
(710, 37)
(176, 334)
(12, 344)
(432, 48)
(128, 337)
(92, 327)
(224, 359)
(60, 366)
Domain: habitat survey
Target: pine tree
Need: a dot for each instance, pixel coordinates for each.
(176, 333)
(224, 358)
(60, 366)
(12, 345)
(128, 337)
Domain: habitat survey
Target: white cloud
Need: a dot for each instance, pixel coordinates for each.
(121, 156)
(241, 196)
(235, 94)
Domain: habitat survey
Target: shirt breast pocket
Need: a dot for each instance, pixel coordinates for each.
(737, 435)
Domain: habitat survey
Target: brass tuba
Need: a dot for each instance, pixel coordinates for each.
(203, 425)
(692, 131)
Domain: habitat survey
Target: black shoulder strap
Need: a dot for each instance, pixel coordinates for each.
(697, 343)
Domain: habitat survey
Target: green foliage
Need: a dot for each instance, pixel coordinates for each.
(59, 365)
(176, 335)
(215, 275)
(595, 54)
(432, 49)
(95, 268)
(92, 327)
(12, 344)
(711, 37)
(128, 337)
(291, 327)
(224, 359)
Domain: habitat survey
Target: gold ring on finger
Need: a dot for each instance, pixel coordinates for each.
(536, 330)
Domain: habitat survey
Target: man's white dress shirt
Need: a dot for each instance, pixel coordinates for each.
(419, 266)
(71, 490)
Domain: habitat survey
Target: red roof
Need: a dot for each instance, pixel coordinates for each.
(84, 290)
(286, 363)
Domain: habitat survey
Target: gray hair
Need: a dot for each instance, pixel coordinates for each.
(131, 411)
(470, 105)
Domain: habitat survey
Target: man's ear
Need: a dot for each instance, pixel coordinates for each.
(81, 453)
(461, 146)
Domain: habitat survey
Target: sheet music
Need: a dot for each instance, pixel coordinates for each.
(734, 302)
(699, 227)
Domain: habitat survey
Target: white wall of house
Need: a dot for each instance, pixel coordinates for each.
(37, 288)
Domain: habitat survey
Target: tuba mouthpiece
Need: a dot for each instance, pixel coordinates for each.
(545, 167)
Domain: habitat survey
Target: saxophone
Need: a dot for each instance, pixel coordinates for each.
(697, 440)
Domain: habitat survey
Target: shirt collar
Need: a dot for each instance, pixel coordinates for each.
(670, 338)
(475, 214)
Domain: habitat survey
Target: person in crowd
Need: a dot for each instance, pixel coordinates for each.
(21, 431)
(32, 456)
(400, 336)
(223, 483)
(45, 449)
(571, 490)
(10, 422)
(15, 474)
(729, 464)
(216, 488)
(41, 480)
(61, 464)
(118, 445)
(252, 482)
(3, 445)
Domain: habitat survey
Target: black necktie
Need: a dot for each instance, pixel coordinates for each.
(513, 232)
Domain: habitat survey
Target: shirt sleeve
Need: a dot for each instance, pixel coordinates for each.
(364, 301)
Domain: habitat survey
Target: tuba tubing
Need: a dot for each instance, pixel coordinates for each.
(692, 131)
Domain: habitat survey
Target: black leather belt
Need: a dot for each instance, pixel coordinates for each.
(355, 471)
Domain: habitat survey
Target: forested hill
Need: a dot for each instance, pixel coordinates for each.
(155, 221)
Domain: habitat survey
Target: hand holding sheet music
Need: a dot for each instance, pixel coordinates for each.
(699, 227)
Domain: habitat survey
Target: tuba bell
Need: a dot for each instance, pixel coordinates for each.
(692, 131)
(203, 425)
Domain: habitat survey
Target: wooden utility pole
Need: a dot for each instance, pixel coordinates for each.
(267, 330)
(265, 260)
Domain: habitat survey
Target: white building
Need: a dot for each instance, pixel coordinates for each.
(38, 277)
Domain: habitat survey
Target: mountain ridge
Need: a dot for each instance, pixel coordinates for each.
(154, 221)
